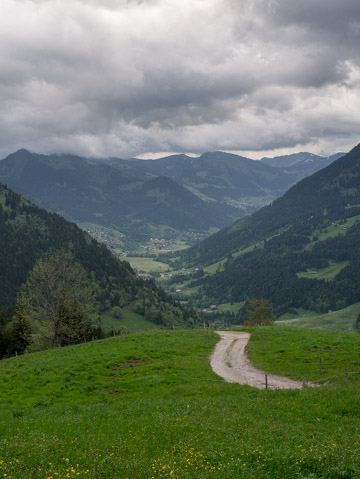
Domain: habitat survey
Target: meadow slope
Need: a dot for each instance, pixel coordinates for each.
(147, 405)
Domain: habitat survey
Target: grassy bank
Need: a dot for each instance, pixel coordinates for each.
(342, 320)
(148, 405)
(130, 321)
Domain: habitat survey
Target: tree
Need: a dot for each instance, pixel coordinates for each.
(259, 313)
(57, 300)
(117, 313)
(19, 333)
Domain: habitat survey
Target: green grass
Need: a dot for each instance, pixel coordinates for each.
(212, 268)
(199, 194)
(300, 313)
(185, 291)
(148, 265)
(219, 265)
(249, 249)
(148, 406)
(342, 320)
(335, 229)
(130, 321)
(179, 245)
(273, 349)
(325, 273)
(231, 307)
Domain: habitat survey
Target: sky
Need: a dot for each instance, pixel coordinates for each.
(143, 78)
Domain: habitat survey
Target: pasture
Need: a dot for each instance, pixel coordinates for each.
(147, 405)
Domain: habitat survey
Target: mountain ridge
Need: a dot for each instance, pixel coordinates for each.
(314, 224)
(91, 191)
(28, 232)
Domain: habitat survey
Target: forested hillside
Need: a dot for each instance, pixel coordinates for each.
(27, 232)
(275, 252)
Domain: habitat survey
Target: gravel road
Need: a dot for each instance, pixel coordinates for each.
(229, 360)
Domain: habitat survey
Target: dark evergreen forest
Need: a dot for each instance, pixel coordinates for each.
(27, 232)
(284, 238)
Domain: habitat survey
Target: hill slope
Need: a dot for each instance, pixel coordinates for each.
(315, 222)
(148, 405)
(27, 232)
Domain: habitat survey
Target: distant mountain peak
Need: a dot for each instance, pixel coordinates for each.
(21, 153)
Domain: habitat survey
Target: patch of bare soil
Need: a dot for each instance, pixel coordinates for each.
(229, 360)
(129, 364)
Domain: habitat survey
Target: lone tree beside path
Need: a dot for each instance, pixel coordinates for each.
(259, 313)
(57, 300)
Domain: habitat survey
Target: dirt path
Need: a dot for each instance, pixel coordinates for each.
(229, 360)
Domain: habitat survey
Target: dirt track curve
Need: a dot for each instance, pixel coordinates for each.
(229, 360)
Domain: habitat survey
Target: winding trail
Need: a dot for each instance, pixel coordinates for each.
(229, 360)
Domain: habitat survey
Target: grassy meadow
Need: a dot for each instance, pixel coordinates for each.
(147, 265)
(335, 229)
(147, 405)
(325, 273)
(130, 322)
(341, 320)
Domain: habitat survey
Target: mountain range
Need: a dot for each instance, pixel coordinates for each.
(235, 180)
(125, 197)
(285, 251)
(302, 161)
(136, 196)
(282, 252)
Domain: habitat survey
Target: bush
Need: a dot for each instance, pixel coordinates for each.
(117, 313)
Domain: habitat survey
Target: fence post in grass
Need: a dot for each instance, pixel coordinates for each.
(319, 366)
(293, 368)
(266, 381)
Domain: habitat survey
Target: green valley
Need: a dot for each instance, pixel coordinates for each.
(302, 251)
(126, 202)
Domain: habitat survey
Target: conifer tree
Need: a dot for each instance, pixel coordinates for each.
(259, 313)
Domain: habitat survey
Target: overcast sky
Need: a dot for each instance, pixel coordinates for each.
(139, 77)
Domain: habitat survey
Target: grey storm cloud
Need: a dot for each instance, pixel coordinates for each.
(129, 77)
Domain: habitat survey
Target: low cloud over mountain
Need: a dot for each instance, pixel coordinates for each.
(127, 78)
